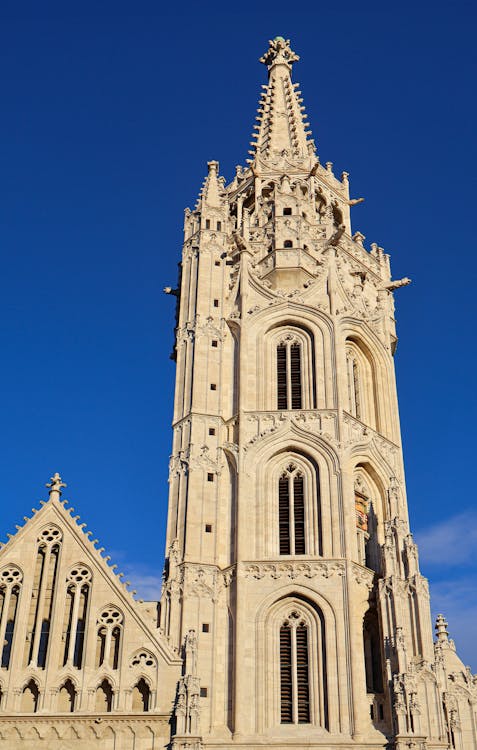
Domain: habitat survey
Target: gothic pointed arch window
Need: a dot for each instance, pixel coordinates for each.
(294, 671)
(104, 697)
(361, 375)
(141, 696)
(67, 697)
(10, 584)
(77, 596)
(369, 517)
(291, 510)
(372, 652)
(30, 698)
(293, 355)
(297, 506)
(43, 595)
(289, 375)
(295, 689)
(108, 641)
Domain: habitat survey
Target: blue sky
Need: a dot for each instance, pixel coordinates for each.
(110, 113)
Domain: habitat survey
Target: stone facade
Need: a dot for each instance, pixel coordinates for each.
(293, 612)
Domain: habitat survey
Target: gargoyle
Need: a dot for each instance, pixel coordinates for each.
(397, 284)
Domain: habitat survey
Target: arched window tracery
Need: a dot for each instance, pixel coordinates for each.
(291, 510)
(77, 595)
(287, 377)
(362, 391)
(294, 482)
(289, 374)
(38, 636)
(143, 660)
(294, 671)
(294, 374)
(368, 515)
(295, 666)
(10, 583)
(110, 623)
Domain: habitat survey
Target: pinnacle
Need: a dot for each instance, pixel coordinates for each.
(55, 486)
(212, 188)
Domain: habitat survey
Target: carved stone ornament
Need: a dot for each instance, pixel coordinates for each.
(294, 570)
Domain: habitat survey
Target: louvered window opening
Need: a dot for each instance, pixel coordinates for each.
(295, 376)
(284, 515)
(294, 675)
(303, 688)
(289, 385)
(291, 514)
(282, 397)
(299, 514)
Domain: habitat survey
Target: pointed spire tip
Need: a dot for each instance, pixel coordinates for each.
(279, 53)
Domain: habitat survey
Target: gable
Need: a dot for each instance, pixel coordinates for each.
(69, 620)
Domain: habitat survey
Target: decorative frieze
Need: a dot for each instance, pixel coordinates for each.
(294, 569)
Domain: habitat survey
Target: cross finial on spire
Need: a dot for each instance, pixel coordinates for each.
(55, 486)
(279, 53)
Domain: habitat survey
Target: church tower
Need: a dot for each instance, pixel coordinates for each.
(293, 612)
(292, 577)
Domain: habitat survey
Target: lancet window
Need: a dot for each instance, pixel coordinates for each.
(291, 511)
(10, 583)
(110, 623)
(289, 368)
(67, 697)
(30, 698)
(141, 696)
(289, 375)
(366, 526)
(362, 400)
(77, 595)
(49, 543)
(104, 697)
(294, 671)
(372, 652)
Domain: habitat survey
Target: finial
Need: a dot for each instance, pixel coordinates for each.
(279, 53)
(55, 485)
(213, 166)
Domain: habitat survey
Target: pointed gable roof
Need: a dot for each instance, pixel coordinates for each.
(19, 547)
(212, 189)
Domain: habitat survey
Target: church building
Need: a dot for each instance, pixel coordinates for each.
(293, 613)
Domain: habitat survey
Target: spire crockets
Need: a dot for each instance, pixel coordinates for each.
(213, 186)
(281, 123)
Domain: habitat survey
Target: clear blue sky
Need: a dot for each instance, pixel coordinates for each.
(110, 113)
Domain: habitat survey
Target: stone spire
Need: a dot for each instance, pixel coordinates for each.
(281, 123)
(212, 187)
